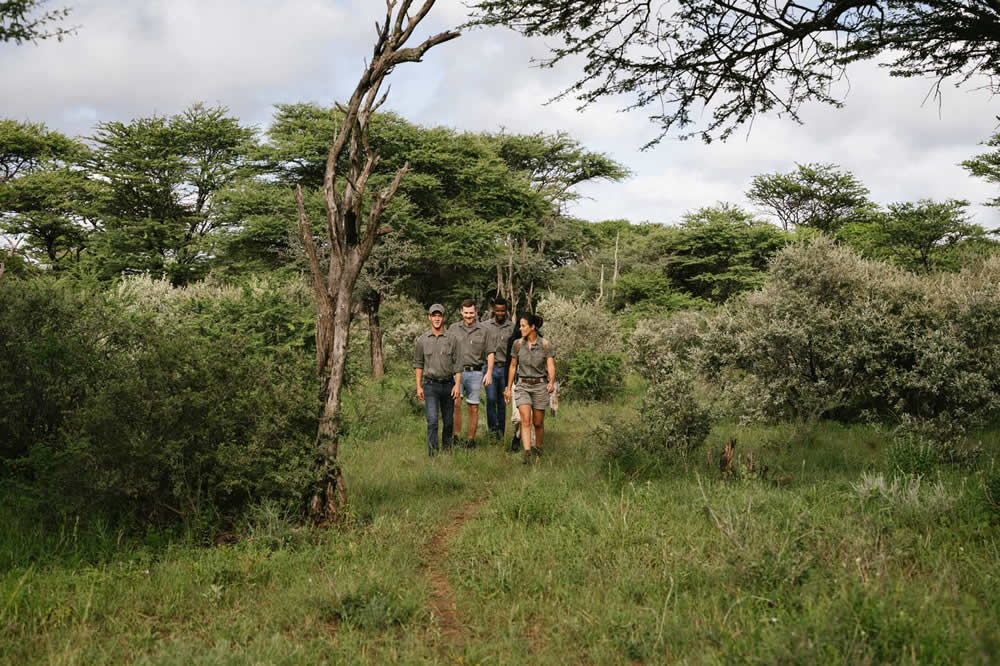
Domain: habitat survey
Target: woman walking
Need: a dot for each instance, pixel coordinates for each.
(532, 365)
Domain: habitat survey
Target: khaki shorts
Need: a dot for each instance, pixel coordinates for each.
(535, 395)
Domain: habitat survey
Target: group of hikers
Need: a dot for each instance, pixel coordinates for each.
(510, 359)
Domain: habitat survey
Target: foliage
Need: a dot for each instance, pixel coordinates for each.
(738, 60)
(657, 346)
(26, 147)
(153, 404)
(987, 166)
(670, 425)
(720, 251)
(20, 21)
(595, 376)
(574, 325)
(832, 334)
(920, 236)
(818, 196)
(162, 175)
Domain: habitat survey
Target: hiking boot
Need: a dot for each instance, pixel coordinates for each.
(527, 458)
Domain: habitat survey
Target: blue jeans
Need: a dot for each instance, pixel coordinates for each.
(496, 410)
(438, 400)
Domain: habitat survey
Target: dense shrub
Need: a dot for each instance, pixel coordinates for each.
(573, 325)
(153, 403)
(833, 335)
(671, 424)
(657, 346)
(595, 376)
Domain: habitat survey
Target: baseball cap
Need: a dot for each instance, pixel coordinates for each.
(437, 307)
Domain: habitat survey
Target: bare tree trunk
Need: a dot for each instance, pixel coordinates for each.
(372, 306)
(329, 492)
(352, 235)
(614, 276)
(8, 254)
(600, 294)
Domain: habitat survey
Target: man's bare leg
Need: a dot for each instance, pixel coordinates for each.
(457, 429)
(473, 420)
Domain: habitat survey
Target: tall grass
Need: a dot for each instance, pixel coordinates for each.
(830, 556)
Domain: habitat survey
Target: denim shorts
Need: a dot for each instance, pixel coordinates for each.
(472, 385)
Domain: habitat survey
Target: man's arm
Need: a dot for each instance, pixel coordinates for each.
(418, 367)
(488, 377)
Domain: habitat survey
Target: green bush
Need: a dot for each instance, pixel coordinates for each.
(832, 335)
(595, 376)
(572, 325)
(153, 404)
(670, 425)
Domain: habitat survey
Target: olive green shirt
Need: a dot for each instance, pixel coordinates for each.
(531, 358)
(438, 355)
(476, 343)
(500, 332)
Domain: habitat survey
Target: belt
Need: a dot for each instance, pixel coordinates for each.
(498, 365)
(439, 380)
(532, 380)
(477, 368)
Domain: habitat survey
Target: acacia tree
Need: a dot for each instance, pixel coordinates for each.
(552, 165)
(819, 196)
(351, 235)
(738, 59)
(920, 236)
(44, 194)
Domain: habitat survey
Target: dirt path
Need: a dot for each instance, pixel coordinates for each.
(443, 604)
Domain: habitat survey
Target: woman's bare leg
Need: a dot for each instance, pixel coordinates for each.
(526, 417)
(538, 419)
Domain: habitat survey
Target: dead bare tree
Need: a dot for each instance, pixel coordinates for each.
(352, 236)
(7, 254)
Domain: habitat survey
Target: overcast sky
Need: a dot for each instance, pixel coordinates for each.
(133, 59)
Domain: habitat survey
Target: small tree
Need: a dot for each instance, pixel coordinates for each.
(819, 196)
(351, 236)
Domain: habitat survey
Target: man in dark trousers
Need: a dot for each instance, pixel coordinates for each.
(476, 353)
(438, 373)
(501, 326)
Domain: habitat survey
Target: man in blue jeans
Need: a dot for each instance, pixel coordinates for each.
(438, 373)
(501, 326)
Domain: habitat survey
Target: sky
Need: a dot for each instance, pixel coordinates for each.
(156, 57)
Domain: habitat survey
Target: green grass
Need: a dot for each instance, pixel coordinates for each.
(564, 562)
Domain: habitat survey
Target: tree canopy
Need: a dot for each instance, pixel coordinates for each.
(735, 60)
(987, 166)
(820, 196)
(23, 21)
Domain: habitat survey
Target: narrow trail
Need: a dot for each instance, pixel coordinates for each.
(443, 604)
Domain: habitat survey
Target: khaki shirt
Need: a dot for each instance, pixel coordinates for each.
(475, 343)
(531, 358)
(438, 355)
(501, 332)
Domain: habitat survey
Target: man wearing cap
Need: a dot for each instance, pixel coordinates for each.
(436, 365)
(476, 355)
(501, 326)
